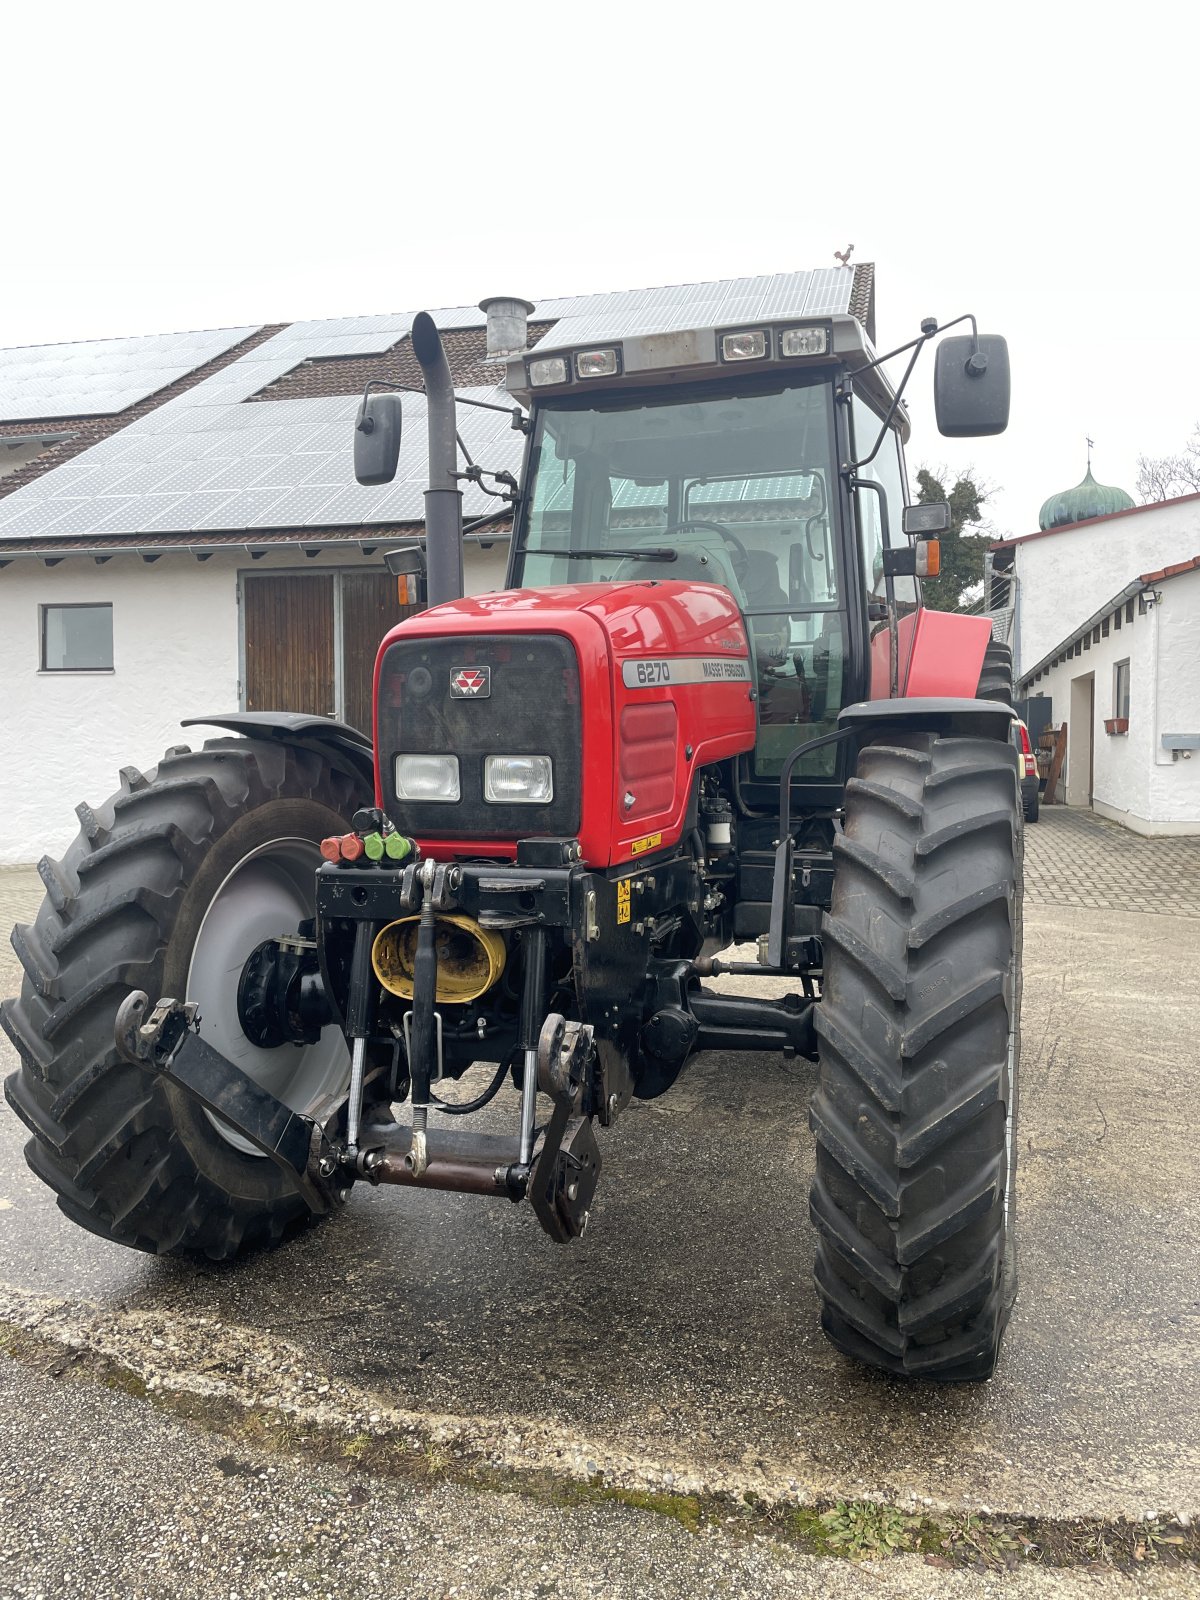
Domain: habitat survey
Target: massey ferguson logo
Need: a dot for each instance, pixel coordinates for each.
(471, 683)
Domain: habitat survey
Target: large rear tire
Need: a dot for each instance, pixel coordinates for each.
(168, 887)
(919, 1029)
(996, 674)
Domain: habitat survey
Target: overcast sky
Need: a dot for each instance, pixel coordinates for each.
(214, 165)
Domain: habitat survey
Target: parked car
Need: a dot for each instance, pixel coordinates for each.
(1029, 771)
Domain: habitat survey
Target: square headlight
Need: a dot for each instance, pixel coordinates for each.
(597, 363)
(427, 777)
(803, 342)
(749, 345)
(548, 369)
(518, 780)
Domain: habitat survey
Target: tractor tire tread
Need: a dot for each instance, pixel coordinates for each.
(105, 1135)
(996, 673)
(910, 1202)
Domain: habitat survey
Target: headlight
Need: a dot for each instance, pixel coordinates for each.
(803, 342)
(524, 780)
(548, 369)
(427, 778)
(749, 345)
(597, 364)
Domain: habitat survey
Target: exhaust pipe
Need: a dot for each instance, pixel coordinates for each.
(443, 498)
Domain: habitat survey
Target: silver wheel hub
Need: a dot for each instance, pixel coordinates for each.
(270, 892)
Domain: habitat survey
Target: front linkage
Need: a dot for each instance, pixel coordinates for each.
(559, 1177)
(638, 1017)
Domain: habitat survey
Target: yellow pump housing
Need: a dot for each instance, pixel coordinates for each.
(470, 958)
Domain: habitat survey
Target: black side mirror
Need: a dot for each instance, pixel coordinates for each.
(408, 560)
(972, 386)
(922, 520)
(409, 568)
(377, 438)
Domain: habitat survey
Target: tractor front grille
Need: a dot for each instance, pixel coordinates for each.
(507, 694)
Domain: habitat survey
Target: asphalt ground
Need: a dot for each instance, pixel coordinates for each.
(676, 1348)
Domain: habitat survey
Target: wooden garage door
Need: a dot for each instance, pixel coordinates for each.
(369, 609)
(292, 622)
(289, 642)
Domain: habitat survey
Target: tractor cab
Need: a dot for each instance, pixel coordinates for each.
(729, 468)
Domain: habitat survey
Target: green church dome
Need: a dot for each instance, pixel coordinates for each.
(1086, 499)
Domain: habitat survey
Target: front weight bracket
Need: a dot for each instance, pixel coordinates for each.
(566, 1159)
(168, 1044)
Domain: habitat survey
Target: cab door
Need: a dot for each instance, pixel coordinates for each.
(887, 470)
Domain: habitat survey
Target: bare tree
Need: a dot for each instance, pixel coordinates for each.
(1165, 477)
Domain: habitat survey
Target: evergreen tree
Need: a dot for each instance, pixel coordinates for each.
(962, 551)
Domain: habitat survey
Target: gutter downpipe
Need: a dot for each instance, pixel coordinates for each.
(443, 498)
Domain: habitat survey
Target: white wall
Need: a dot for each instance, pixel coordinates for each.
(1175, 782)
(1135, 781)
(1065, 577)
(64, 736)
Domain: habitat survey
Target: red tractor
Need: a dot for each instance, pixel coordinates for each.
(709, 710)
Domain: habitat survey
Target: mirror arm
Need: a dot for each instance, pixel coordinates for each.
(519, 420)
(930, 328)
(917, 345)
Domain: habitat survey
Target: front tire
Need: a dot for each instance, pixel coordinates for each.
(165, 885)
(914, 1113)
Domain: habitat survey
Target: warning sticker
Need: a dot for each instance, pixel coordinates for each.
(623, 900)
(650, 842)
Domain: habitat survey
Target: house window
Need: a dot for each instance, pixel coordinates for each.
(77, 638)
(1121, 689)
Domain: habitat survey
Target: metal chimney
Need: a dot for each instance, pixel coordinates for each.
(507, 326)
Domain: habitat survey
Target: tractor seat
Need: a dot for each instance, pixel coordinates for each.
(761, 584)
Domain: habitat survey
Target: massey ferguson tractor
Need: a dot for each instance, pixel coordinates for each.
(709, 711)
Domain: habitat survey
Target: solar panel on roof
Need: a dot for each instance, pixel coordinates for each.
(104, 375)
(298, 507)
(239, 511)
(696, 305)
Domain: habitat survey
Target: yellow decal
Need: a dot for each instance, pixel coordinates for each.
(623, 900)
(648, 843)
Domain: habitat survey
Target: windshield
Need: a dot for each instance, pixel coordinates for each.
(732, 489)
(728, 488)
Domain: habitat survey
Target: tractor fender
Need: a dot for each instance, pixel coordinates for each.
(338, 741)
(942, 714)
(946, 653)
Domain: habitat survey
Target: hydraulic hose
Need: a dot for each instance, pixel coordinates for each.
(493, 1089)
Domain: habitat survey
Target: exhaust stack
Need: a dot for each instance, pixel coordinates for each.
(443, 498)
(507, 326)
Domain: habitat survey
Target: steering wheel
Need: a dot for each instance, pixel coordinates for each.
(738, 561)
(730, 538)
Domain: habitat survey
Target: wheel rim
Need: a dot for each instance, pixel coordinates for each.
(269, 892)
